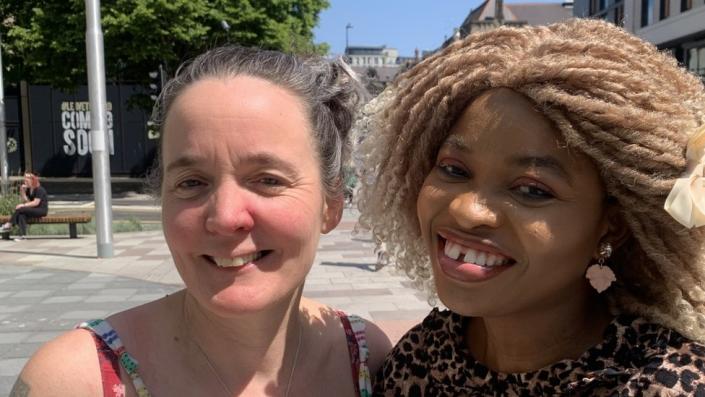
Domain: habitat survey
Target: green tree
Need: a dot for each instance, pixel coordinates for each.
(44, 41)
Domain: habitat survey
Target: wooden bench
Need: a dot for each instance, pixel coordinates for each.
(71, 219)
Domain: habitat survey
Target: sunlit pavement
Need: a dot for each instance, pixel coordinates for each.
(49, 284)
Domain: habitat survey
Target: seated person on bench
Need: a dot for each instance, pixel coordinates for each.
(34, 204)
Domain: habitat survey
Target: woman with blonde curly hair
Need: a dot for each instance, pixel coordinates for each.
(545, 182)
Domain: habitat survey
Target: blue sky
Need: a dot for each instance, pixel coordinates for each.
(401, 24)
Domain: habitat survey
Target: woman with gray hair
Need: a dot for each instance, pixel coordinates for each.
(249, 175)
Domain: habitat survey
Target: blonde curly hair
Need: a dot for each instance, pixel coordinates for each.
(612, 97)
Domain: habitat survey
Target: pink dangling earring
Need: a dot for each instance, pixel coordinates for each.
(599, 275)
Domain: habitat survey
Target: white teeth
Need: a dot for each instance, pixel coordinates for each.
(481, 259)
(452, 250)
(491, 260)
(469, 255)
(237, 262)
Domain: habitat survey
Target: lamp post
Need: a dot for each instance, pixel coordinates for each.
(3, 133)
(347, 28)
(226, 27)
(100, 156)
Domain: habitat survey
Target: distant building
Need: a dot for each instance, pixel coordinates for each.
(674, 25)
(377, 65)
(371, 56)
(492, 13)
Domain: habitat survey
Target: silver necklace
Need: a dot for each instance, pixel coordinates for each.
(225, 386)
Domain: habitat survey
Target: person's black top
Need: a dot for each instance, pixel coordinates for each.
(41, 194)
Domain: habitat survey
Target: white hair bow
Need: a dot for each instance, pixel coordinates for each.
(686, 202)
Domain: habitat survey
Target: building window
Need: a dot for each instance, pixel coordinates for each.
(619, 15)
(594, 6)
(696, 61)
(686, 5)
(664, 9)
(647, 11)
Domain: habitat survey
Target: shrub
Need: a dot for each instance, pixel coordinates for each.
(9, 201)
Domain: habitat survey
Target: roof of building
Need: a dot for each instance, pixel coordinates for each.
(367, 50)
(531, 13)
(541, 13)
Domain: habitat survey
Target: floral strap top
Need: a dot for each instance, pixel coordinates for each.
(112, 355)
(111, 351)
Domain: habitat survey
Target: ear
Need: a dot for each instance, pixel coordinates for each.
(332, 212)
(616, 230)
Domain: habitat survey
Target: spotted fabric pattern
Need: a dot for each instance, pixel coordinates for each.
(635, 358)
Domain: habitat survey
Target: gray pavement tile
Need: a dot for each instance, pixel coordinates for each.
(11, 366)
(12, 309)
(43, 336)
(22, 350)
(99, 277)
(35, 275)
(102, 298)
(9, 270)
(147, 297)
(31, 294)
(64, 299)
(400, 314)
(119, 291)
(6, 383)
(326, 287)
(347, 292)
(86, 286)
(12, 337)
(84, 314)
(61, 325)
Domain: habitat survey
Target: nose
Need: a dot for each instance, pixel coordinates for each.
(229, 210)
(471, 210)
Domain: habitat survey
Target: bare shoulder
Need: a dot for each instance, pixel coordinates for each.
(67, 365)
(378, 344)
(328, 319)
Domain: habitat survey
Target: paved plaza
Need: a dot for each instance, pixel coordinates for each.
(49, 284)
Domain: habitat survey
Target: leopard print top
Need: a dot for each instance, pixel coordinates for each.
(635, 358)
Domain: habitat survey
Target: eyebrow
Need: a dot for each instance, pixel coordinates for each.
(457, 143)
(262, 160)
(548, 163)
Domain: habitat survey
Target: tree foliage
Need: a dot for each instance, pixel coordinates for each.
(44, 41)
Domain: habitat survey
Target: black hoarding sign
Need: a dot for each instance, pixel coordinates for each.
(15, 157)
(60, 132)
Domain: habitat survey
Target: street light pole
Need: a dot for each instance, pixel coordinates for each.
(99, 133)
(347, 28)
(3, 133)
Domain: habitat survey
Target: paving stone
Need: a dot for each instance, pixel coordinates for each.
(64, 299)
(12, 337)
(31, 294)
(6, 383)
(22, 350)
(83, 314)
(11, 366)
(41, 337)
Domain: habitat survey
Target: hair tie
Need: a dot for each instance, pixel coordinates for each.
(686, 202)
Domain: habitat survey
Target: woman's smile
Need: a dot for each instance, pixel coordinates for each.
(238, 261)
(470, 260)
